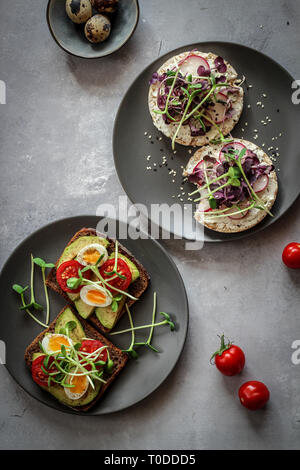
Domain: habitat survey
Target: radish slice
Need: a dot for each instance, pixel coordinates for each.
(218, 110)
(191, 63)
(261, 183)
(232, 145)
(204, 165)
(237, 216)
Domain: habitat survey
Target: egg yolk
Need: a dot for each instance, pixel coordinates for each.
(79, 383)
(55, 343)
(96, 296)
(91, 256)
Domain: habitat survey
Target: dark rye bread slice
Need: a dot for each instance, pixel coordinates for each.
(119, 357)
(136, 288)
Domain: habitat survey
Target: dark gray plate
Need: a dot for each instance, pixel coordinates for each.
(70, 37)
(131, 146)
(140, 377)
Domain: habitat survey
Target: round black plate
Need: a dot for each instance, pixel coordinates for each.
(131, 146)
(140, 377)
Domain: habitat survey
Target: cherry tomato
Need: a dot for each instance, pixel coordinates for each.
(91, 345)
(291, 255)
(38, 374)
(229, 359)
(254, 395)
(122, 269)
(67, 270)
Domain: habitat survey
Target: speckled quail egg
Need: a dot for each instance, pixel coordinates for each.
(105, 6)
(79, 11)
(97, 28)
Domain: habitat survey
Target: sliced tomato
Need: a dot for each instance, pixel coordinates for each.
(121, 283)
(91, 345)
(37, 372)
(67, 270)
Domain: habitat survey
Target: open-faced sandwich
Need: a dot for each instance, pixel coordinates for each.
(98, 275)
(236, 185)
(74, 362)
(194, 98)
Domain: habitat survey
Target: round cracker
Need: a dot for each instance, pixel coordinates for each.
(184, 136)
(254, 216)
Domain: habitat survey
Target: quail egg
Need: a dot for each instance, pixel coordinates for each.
(79, 11)
(97, 28)
(105, 6)
(79, 385)
(53, 342)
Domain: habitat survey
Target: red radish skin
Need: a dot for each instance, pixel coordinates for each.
(191, 63)
(261, 183)
(202, 164)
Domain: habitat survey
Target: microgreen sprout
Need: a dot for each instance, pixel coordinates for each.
(21, 290)
(70, 362)
(232, 177)
(43, 265)
(167, 321)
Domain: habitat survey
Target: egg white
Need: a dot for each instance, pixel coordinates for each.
(93, 246)
(46, 341)
(86, 289)
(72, 395)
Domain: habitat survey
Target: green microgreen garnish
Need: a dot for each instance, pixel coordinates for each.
(33, 304)
(70, 362)
(131, 349)
(43, 265)
(21, 290)
(233, 177)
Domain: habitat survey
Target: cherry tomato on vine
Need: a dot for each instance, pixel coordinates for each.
(291, 255)
(229, 359)
(254, 395)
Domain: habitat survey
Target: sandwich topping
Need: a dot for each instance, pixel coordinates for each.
(229, 185)
(194, 94)
(73, 366)
(99, 283)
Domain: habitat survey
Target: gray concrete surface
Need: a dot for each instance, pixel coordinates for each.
(61, 109)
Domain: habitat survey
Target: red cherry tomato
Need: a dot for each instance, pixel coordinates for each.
(229, 359)
(91, 345)
(291, 255)
(254, 395)
(122, 269)
(37, 372)
(67, 270)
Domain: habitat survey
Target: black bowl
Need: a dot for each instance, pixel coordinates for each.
(70, 36)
